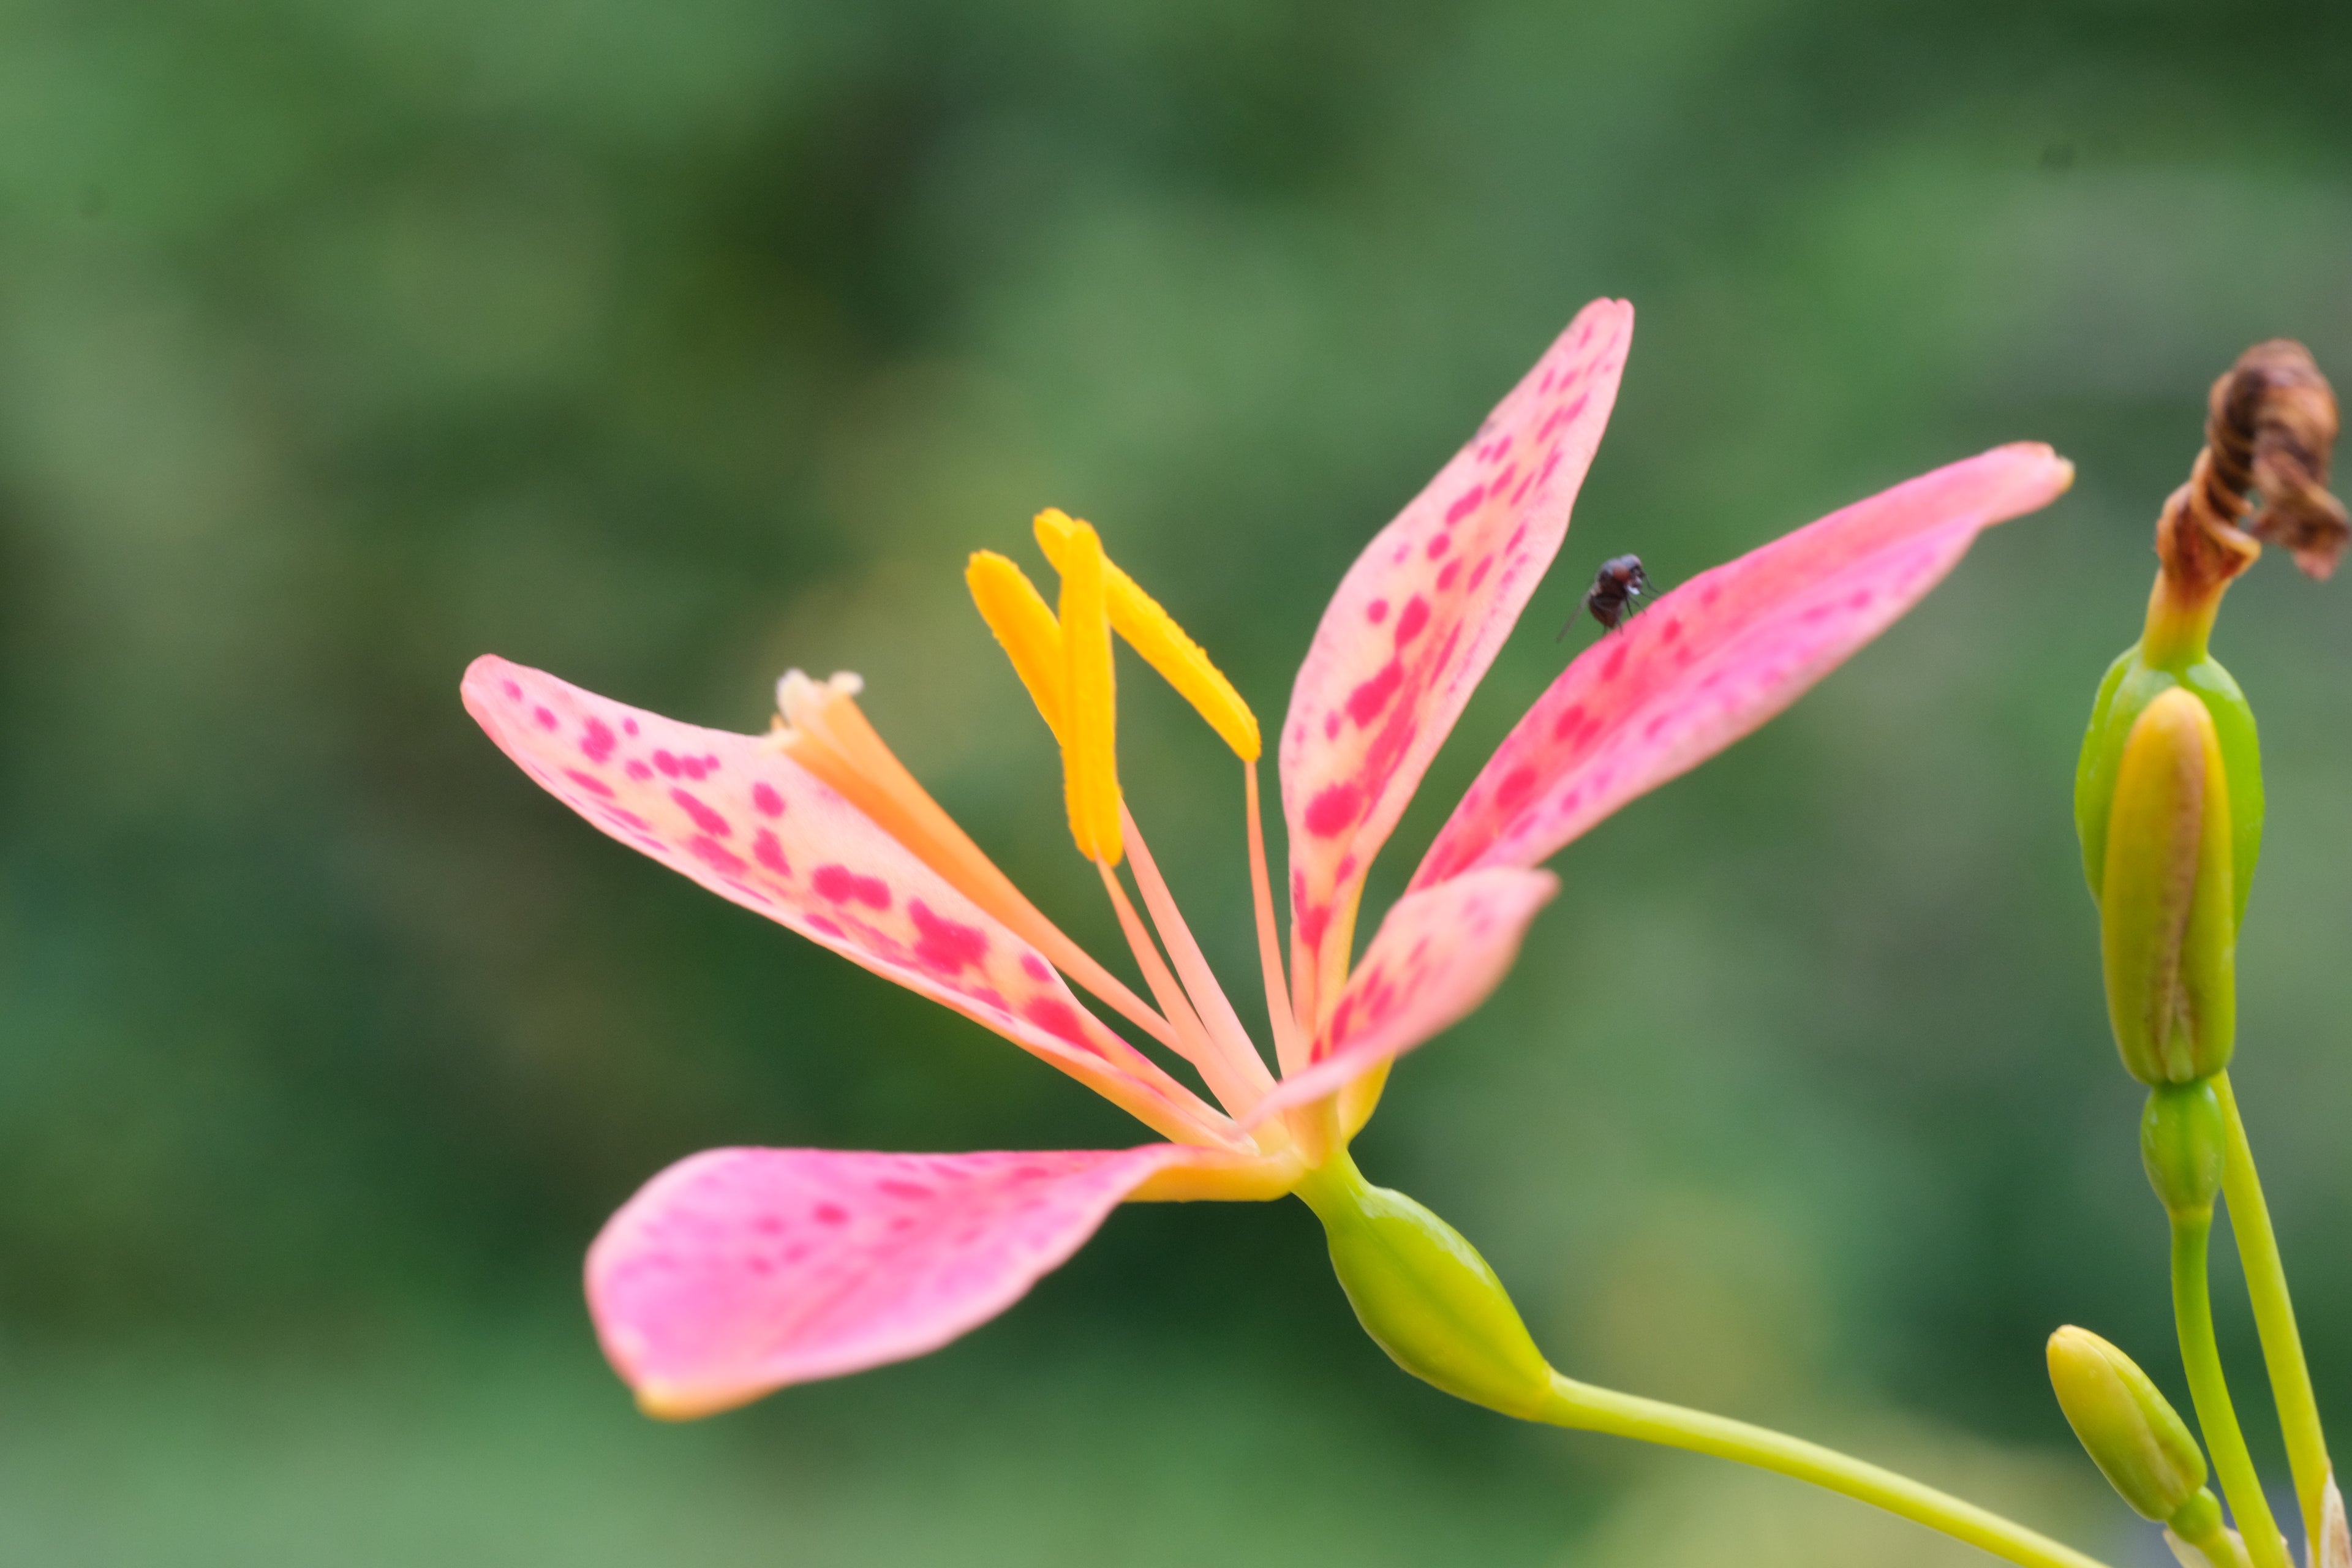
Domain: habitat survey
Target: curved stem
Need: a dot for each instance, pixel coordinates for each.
(2193, 1312)
(1425, 1295)
(2258, 1249)
(1583, 1407)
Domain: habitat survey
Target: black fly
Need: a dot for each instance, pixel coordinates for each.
(1615, 586)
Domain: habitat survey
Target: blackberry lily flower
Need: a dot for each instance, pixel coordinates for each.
(738, 1271)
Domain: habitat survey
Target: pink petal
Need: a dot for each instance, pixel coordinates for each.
(1437, 956)
(752, 825)
(1724, 652)
(738, 1271)
(1421, 615)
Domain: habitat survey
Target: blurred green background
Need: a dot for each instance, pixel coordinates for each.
(665, 345)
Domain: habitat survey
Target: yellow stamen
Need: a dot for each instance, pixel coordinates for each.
(824, 730)
(1152, 632)
(1025, 627)
(1090, 718)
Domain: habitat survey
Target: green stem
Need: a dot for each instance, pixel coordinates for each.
(1583, 1407)
(2199, 1523)
(1426, 1297)
(2258, 1249)
(2193, 1312)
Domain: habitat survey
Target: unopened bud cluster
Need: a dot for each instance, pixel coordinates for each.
(2169, 803)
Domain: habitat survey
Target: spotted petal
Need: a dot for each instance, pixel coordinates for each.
(1438, 954)
(749, 823)
(1418, 619)
(1723, 653)
(738, 1271)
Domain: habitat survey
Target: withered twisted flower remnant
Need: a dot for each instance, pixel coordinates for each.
(2270, 427)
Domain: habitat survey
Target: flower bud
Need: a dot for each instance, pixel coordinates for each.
(2168, 921)
(2131, 684)
(1425, 1295)
(2130, 1430)
(2183, 1142)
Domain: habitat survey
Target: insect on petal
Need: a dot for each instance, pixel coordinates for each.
(738, 1271)
(752, 825)
(1437, 955)
(1418, 619)
(1724, 652)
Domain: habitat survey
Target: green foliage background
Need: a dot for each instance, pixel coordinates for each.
(665, 345)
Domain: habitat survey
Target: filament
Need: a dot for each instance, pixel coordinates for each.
(1242, 1065)
(1289, 1042)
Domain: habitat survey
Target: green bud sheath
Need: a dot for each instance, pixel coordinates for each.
(2129, 1429)
(2134, 681)
(2184, 1144)
(1425, 1295)
(2167, 922)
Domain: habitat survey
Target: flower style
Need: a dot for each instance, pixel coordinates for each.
(738, 1271)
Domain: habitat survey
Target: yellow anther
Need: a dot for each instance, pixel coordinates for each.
(1089, 718)
(1152, 632)
(1025, 627)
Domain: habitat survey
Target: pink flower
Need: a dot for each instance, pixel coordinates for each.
(739, 1270)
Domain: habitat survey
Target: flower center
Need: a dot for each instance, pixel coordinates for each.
(1064, 660)
(1065, 663)
(1063, 655)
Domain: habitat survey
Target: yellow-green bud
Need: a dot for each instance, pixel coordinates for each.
(2167, 922)
(2131, 683)
(2183, 1142)
(1425, 1295)
(2130, 1430)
